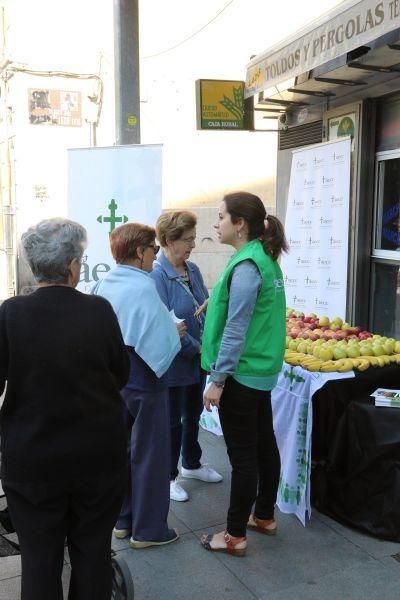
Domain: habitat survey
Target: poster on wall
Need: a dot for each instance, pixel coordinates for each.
(317, 229)
(55, 107)
(106, 188)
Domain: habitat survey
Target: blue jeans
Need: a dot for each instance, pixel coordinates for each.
(186, 406)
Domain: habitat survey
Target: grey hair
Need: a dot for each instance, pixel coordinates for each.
(51, 246)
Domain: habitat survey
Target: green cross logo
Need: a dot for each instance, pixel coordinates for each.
(293, 377)
(112, 219)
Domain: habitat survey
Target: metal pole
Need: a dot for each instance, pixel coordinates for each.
(127, 91)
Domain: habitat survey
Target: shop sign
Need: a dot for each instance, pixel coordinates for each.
(342, 126)
(55, 107)
(219, 104)
(361, 23)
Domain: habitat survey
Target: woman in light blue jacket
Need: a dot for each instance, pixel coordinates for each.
(181, 288)
(152, 342)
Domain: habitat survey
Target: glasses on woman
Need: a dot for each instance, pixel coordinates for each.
(155, 249)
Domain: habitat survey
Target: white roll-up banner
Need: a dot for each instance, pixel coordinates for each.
(106, 188)
(317, 229)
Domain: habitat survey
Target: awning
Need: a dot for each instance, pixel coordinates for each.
(354, 24)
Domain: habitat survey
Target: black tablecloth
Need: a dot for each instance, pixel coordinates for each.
(355, 476)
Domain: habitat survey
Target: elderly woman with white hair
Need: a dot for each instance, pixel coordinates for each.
(62, 433)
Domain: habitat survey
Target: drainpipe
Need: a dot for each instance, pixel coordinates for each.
(8, 223)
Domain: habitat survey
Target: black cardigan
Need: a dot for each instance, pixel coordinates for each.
(64, 361)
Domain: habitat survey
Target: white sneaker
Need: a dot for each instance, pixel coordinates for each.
(120, 534)
(176, 492)
(204, 473)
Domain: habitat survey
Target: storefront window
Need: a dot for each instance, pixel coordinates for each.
(388, 206)
(388, 125)
(386, 299)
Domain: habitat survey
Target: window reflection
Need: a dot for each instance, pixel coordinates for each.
(386, 299)
(388, 237)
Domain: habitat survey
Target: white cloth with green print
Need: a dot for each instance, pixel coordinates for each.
(292, 411)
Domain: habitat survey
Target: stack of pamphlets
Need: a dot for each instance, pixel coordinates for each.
(385, 397)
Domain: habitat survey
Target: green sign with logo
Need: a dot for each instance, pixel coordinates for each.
(220, 104)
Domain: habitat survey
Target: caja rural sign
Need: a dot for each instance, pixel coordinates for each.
(219, 104)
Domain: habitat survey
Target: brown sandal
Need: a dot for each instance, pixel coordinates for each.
(231, 543)
(265, 526)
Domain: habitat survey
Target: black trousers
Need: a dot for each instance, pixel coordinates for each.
(186, 406)
(246, 420)
(84, 513)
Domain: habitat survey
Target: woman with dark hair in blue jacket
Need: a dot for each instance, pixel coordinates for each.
(181, 288)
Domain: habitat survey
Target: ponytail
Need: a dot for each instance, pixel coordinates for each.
(266, 228)
(274, 239)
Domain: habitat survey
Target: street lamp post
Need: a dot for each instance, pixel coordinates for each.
(127, 84)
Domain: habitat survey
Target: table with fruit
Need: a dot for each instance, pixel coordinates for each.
(327, 345)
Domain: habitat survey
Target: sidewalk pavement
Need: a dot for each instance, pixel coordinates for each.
(324, 560)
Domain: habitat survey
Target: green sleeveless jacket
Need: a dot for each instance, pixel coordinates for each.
(265, 339)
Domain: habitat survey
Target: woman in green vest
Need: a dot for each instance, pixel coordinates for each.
(242, 350)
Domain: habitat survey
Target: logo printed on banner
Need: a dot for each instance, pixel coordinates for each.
(310, 283)
(298, 204)
(321, 303)
(333, 284)
(290, 281)
(309, 183)
(318, 162)
(112, 218)
(313, 243)
(336, 201)
(335, 243)
(324, 263)
(303, 262)
(301, 165)
(315, 202)
(327, 181)
(293, 243)
(326, 222)
(337, 158)
(305, 223)
(298, 301)
(89, 274)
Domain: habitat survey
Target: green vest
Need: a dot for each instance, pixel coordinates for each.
(265, 339)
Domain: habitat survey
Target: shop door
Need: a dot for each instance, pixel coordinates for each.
(385, 259)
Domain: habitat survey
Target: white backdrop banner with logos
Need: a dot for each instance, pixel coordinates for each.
(317, 229)
(106, 188)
